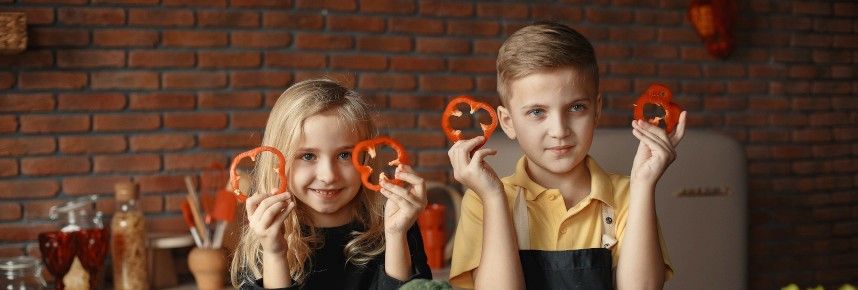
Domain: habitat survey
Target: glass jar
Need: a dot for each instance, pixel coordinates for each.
(128, 245)
(21, 273)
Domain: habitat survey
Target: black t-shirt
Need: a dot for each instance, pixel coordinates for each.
(330, 270)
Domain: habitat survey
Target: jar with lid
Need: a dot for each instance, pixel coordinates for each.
(128, 243)
(21, 273)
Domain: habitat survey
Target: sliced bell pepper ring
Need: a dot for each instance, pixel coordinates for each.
(659, 95)
(369, 146)
(280, 169)
(455, 135)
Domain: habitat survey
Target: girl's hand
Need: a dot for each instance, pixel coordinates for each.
(265, 214)
(404, 204)
(473, 171)
(656, 151)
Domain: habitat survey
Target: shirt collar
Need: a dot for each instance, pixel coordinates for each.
(600, 182)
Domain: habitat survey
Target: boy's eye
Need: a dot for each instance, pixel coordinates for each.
(345, 155)
(578, 107)
(308, 156)
(535, 112)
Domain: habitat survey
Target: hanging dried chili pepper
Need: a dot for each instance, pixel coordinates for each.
(713, 21)
(280, 169)
(369, 146)
(455, 135)
(661, 96)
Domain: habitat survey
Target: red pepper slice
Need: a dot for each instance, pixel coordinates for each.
(369, 146)
(455, 135)
(659, 95)
(280, 169)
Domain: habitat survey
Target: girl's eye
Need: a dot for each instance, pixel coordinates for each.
(345, 155)
(535, 113)
(308, 157)
(578, 107)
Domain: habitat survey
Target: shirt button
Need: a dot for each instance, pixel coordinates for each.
(609, 220)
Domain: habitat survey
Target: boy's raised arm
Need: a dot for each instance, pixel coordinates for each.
(499, 260)
(641, 264)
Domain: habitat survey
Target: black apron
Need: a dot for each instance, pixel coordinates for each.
(569, 269)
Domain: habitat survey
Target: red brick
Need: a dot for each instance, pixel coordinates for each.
(261, 3)
(52, 124)
(229, 19)
(443, 46)
(502, 10)
(161, 142)
(487, 84)
(359, 62)
(627, 68)
(125, 37)
(193, 161)
(54, 165)
(446, 8)
(473, 65)
(173, 17)
(746, 87)
(28, 59)
(35, 15)
(845, 9)
(433, 159)
(429, 121)
(48, 37)
(356, 23)
(724, 71)
(326, 42)
(679, 70)
(455, 84)
(417, 102)
(23, 146)
(91, 101)
(161, 183)
(52, 80)
(28, 188)
(125, 80)
(91, 184)
(608, 16)
(723, 103)
(126, 163)
(91, 16)
(768, 104)
(385, 43)
(293, 20)
(421, 139)
(26, 102)
(612, 51)
(8, 124)
(348, 80)
(126, 122)
(194, 80)
(8, 167)
(193, 38)
(228, 59)
(126, 2)
(394, 120)
(556, 13)
(160, 59)
(162, 101)
(294, 59)
(92, 144)
(472, 28)
(339, 5)
(263, 79)
(229, 140)
(387, 81)
(196, 120)
(90, 58)
(658, 52)
(24, 232)
(229, 100)
(409, 63)
(260, 39)
(417, 26)
(810, 7)
(677, 35)
(812, 135)
(388, 6)
(248, 120)
(10, 211)
(659, 17)
(195, 3)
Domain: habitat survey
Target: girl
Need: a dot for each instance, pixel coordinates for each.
(334, 235)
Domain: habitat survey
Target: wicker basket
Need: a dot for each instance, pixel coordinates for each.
(13, 32)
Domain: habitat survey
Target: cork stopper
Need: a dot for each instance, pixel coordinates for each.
(125, 191)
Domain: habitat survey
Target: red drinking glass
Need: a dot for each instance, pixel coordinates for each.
(58, 251)
(92, 245)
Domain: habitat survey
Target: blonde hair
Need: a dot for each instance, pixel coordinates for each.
(544, 46)
(283, 131)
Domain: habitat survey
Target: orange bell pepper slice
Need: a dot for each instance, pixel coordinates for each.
(455, 135)
(659, 95)
(280, 169)
(369, 146)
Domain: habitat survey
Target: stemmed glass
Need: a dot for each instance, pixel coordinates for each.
(92, 245)
(58, 251)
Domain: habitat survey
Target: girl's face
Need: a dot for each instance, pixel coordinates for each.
(322, 176)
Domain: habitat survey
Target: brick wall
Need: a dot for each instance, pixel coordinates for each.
(151, 90)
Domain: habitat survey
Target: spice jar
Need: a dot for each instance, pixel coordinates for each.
(21, 273)
(128, 243)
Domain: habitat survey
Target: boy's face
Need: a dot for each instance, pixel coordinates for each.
(322, 176)
(552, 114)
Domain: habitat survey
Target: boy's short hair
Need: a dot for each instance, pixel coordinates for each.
(544, 46)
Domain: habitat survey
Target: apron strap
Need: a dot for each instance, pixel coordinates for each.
(608, 227)
(521, 221)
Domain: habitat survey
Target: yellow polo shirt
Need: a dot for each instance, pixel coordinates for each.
(552, 226)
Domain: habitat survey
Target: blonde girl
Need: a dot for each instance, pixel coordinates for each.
(327, 231)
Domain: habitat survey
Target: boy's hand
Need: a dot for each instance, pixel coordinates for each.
(404, 204)
(473, 171)
(265, 214)
(656, 151)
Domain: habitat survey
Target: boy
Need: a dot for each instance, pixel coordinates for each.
(560, 221)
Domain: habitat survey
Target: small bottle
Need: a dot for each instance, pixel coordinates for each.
(128, 243)
(21, 273)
